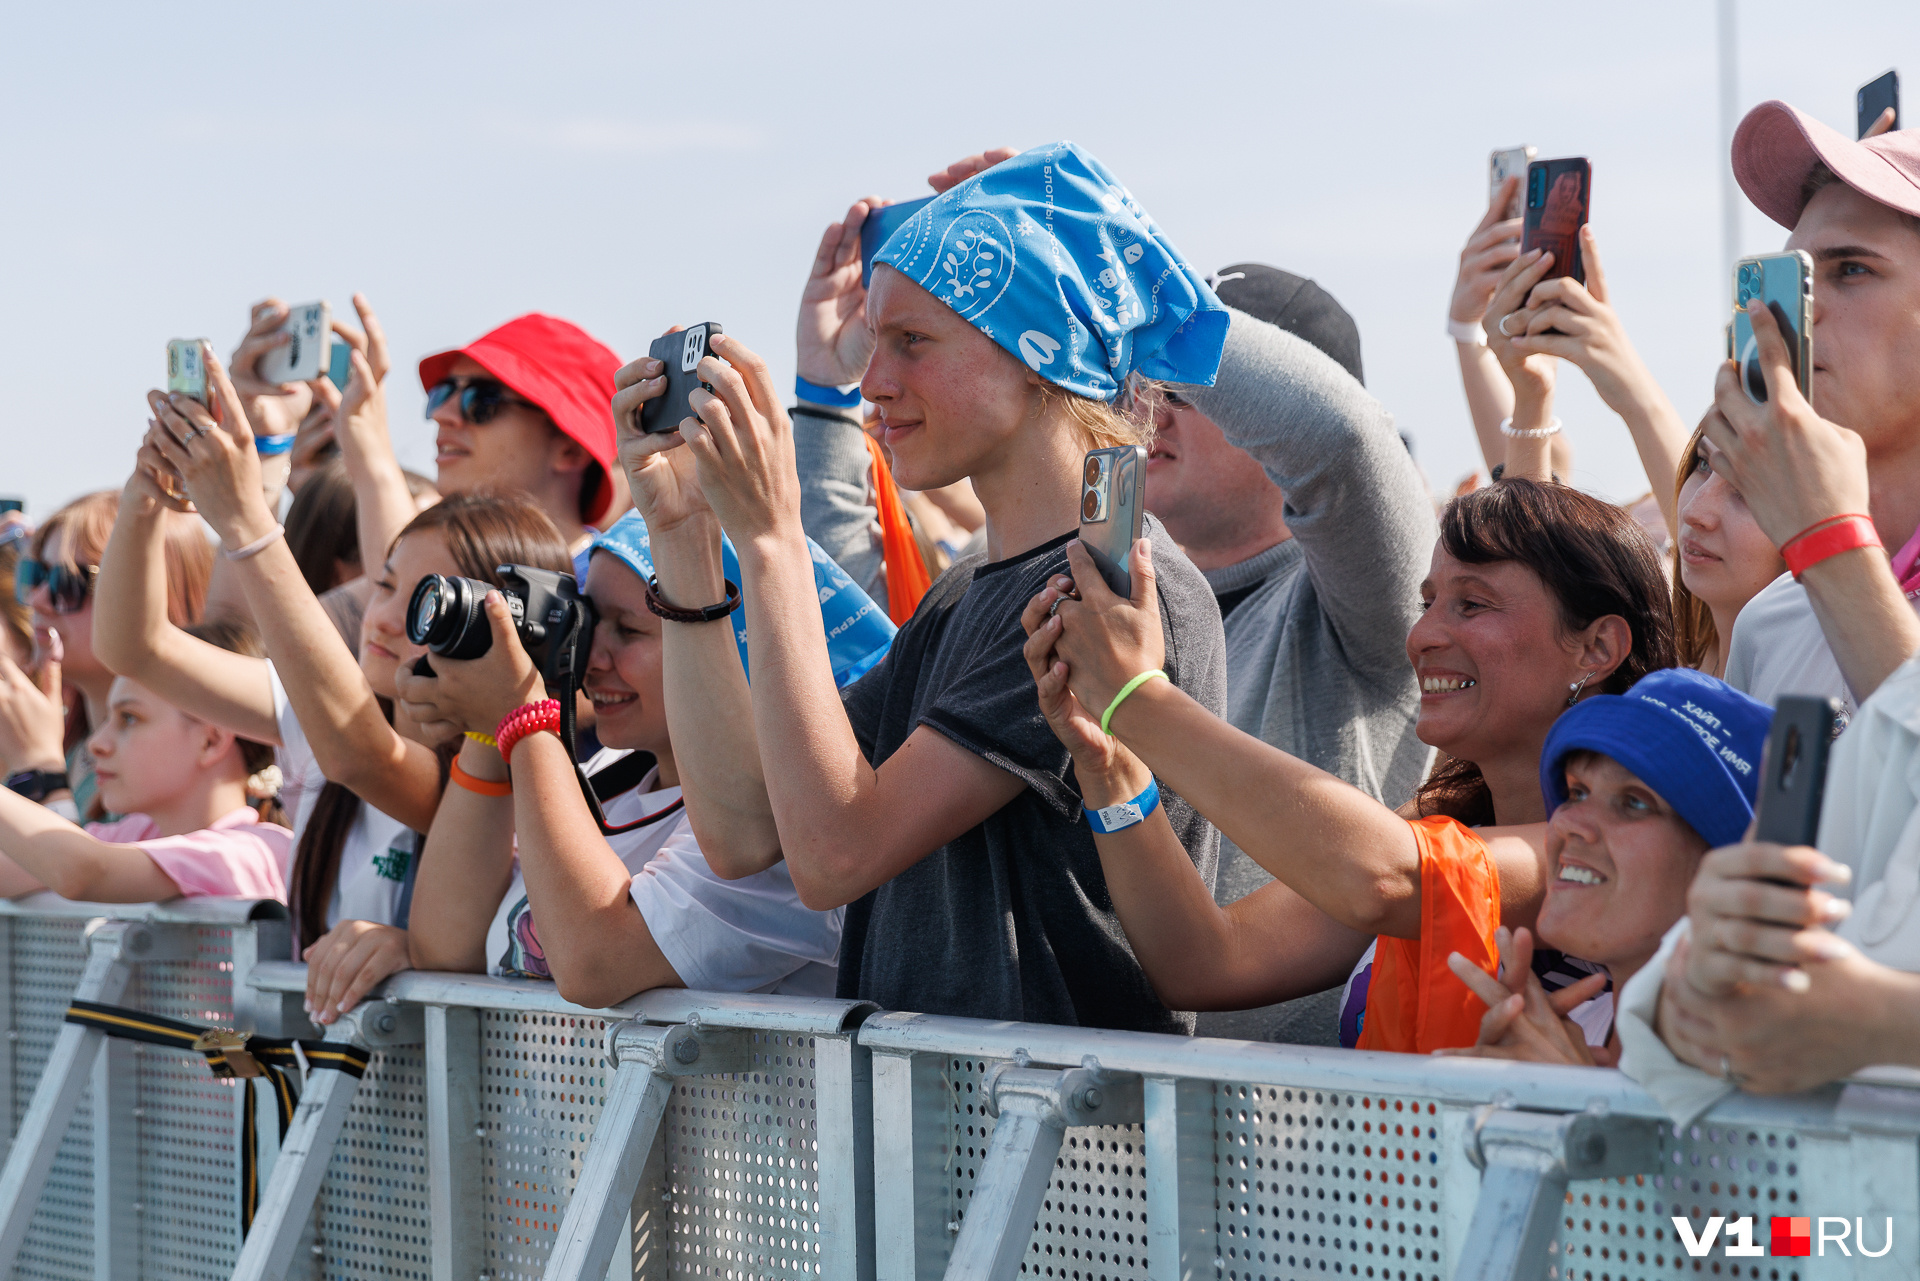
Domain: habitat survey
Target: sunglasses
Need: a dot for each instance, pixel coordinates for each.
(479, 399)
(68, 586)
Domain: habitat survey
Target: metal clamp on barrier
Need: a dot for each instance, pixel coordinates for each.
(649, 1057)
(1526, 1160)
(287, 1202)
(1034, 1108)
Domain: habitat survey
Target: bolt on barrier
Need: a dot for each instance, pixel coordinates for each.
(500, 1132)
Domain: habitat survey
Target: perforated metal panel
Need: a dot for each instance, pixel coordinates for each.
(372, 1211)
(743, 1168)
(1622, 1229)
(47, 959)
(1093, 1219)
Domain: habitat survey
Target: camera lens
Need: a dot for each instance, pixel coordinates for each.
(1093, 471)
(1090, 506)
(445, 615)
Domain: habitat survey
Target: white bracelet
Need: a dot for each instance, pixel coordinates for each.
(1468, 333)
(258, 545)
(1529, 433)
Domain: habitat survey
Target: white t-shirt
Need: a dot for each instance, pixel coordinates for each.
(378, 850)
(749, 935)
(1778, 648)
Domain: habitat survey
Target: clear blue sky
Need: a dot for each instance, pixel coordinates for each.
(632, 166)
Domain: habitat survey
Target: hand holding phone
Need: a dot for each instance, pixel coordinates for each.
(307, 353)
(681, 353)
(1873, 100)
(1508, 162)
(187, 368)
(1784, 282)
(1113, 510)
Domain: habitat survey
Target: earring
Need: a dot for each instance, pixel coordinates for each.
(1578, 687)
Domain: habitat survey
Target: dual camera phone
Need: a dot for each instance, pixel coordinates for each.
(306, 355)
(187, 368)
(1784, 282)
(1556, 194)
(1113, 510)
(1509, 162)
(681, 353)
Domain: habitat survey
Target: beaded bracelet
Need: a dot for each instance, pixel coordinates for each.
(533, 718)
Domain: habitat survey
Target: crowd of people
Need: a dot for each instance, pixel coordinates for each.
(854, 711)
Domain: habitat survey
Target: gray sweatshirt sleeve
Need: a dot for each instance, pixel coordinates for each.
(832, 458)
(1354, 499)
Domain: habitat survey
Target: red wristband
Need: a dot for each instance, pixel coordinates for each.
(522, 721)
(1827, 539)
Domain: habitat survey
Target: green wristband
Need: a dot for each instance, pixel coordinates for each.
(1121, 697)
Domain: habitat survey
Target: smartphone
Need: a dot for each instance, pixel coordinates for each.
(880, 225)
(306, 355)
(1509, 162)
(12, 505)
(681, 353)
(1557, 193)
(187, 368)
(1793, 771)
(1784, 281)
(1874, 97)
(1113, 510)
(340, 365)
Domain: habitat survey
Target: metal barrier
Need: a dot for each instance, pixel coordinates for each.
(500, 1132)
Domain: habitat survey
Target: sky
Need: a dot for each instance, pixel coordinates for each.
(633, 166)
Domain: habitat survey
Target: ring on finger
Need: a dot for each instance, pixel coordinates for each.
(1502, 326)
(1727, 1073)
(1054, 608)
(193, 435)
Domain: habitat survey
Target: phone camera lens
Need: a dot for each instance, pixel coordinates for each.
(1093, 471)
(1090, 506)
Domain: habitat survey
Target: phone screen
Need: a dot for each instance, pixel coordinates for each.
(339, 364)
(1785, 283)
(1557, 195)
(881, 223)
(12, 505)
(1874, 97)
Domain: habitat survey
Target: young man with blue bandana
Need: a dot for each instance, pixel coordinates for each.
(934, 802)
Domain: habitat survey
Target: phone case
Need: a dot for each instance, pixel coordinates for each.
(1557, 193)
(1793, 773)
(1509, 162)
(340, 365)
(303, 358)
(1874, 97)
(186, 370)
(1784, 281)
(881, 223)
(1113, 510)
(681, 353)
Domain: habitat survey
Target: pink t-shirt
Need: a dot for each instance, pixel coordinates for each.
(238, 857)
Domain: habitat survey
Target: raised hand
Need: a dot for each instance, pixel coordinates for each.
(660, 474)
(273, 409)
(1509, 315)
(833, 343)
(211, 450)
(742, 442)
(1758, 917)
(32, 712)
(1490, 250)
(961, 170)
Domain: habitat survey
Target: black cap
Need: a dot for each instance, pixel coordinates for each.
(1294, 303)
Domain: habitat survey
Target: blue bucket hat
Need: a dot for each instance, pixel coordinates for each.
(858, 631)
(1051, 257)
(1693, 739)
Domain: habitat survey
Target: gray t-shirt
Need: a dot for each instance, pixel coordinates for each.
(1012, 920)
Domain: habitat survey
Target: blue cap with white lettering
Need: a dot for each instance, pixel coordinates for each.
(1695, 740)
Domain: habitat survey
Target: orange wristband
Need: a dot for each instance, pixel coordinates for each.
(1828, 539)
(478, 786)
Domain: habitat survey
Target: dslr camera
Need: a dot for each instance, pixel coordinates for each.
(554, 621)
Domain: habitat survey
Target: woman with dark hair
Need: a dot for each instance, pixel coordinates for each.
(1538, 596)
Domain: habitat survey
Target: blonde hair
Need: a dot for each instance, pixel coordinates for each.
(1097, 424)
(1694, 635)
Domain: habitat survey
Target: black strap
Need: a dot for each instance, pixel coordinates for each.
(622, 776)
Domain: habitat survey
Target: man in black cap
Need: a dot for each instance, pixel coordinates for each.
(1288, 486)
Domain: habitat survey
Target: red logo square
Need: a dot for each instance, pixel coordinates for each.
(1792, 1236)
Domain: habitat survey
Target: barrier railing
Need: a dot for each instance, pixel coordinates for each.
(500, 1132)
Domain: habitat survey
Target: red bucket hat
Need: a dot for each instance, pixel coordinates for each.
(1776, 147)
(559, 367)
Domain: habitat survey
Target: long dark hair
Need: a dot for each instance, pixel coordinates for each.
(1593, 557)
(483, 531)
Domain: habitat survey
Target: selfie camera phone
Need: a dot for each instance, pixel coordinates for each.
(879, 227)
(1509, 162)
(1874, 97)
(187, 368)
(306, 355)
(1557, 194)
(681, 353)
(1113, 510)
(1783, 281)
(1793, 771)
(340, 365)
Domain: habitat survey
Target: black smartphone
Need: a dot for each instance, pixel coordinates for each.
(12, 505)
(1558, 193)
(1113, 510)
(681, 353)
(1793, 772)
(1874, 97)
(881, 223)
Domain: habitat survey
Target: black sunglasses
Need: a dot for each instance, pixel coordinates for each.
(68, 585)
(479, 398)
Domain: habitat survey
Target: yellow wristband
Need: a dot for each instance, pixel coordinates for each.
(1121, 697)
(486, 739)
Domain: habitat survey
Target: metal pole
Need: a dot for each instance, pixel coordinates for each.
(1730, 195)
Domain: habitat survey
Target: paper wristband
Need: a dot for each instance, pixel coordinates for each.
(838, 397)
(1117, 818)
(1121, 697)
(1829, 540)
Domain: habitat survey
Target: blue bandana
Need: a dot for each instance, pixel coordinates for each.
(858, 631)
(1049, 256)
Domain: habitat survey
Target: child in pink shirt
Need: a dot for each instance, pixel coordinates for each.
(184, 787)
